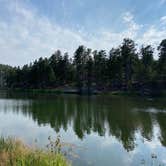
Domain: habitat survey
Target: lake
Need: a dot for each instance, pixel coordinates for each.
(105, 130)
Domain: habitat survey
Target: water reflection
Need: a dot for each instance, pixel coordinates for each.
(121, 117)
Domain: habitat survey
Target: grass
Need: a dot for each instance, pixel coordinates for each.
(14, 152)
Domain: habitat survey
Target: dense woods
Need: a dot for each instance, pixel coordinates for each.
(123, 68)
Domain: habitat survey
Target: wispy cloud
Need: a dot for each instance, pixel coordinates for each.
(127, 17)
(30, 35)
(163, 20)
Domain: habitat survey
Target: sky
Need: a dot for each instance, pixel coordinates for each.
(30, 29)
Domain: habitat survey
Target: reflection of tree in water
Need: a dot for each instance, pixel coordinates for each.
(162, 123)
(117, 116)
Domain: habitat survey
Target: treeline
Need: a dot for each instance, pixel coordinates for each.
(123, 68)
(4, 70)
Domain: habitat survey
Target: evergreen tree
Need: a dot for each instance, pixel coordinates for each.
(147, 64)
(115, 68)
(162, 60)
(129, 60)
(100, 68)
(80, 62)
(121, 69)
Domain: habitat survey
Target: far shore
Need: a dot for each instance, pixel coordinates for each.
(94, 92)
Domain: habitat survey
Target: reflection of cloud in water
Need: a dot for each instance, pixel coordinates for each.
(156, 142)
(150, 110)
(164, 161)
(117, 129)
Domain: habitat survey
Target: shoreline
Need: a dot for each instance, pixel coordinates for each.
(95, 92)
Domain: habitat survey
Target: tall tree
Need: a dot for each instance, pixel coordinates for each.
(129, 59)
(100, 67)
(115, 68)
(80, 62)
(89, 70)
(147, 62)
(162, 60)
(56, 62)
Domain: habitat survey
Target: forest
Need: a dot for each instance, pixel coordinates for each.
(124, 68)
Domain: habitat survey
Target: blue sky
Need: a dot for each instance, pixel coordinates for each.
(33, 28)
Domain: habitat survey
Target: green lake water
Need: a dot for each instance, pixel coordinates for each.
(105, 130)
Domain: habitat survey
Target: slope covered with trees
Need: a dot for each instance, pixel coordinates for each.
(123, 68)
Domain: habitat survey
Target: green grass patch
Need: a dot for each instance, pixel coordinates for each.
(14, 152)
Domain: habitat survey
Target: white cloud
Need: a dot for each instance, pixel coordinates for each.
(127, 17)
(133, 27)
(152, 36)
(163, 20)
(29, 35)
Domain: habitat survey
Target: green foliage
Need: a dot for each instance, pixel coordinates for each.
(147, 72)
(162, 60)
(123, 69)
(4, 69)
